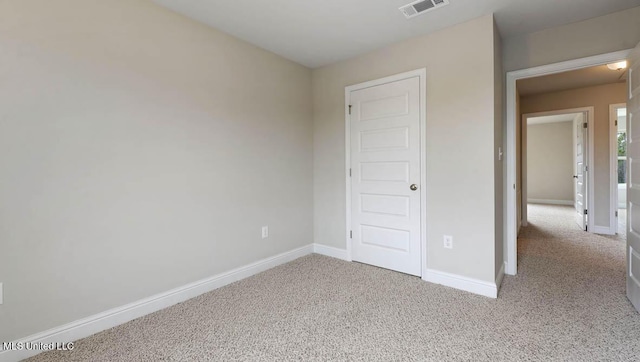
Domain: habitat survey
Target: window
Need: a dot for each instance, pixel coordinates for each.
(622, 157)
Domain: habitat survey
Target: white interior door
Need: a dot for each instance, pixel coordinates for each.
(581, 171)
(385, 175)
(633, 180)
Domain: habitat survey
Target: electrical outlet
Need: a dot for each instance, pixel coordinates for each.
(265, 232)
(448, 241)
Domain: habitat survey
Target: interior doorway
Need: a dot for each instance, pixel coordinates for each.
(513, 191)
(555, 160)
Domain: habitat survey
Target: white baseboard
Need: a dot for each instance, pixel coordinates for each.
(341, 254)
(487, 289)
(604, 230)
(550, 202)
(99, 322)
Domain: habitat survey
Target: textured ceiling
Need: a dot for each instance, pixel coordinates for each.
(319, 32)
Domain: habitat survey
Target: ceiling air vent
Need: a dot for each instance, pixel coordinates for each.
(422, 6)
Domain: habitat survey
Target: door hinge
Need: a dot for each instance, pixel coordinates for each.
(586, 168)
(586, 228)
(350, 234)
(349, 172)
(349, 109)
(616, 214)
(616, 122)
(585, 211)
(584, 125)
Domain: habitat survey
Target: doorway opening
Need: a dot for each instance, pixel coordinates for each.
(513, 195)
(556, 155)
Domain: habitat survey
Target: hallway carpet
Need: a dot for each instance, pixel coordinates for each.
(567, 303)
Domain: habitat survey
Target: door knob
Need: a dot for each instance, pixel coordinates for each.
(413, 187)
(575, 176)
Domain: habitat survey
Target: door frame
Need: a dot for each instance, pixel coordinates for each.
(613, 161)
(510, 219)
(422, 75)
(590, 113)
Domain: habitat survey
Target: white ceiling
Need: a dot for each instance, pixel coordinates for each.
(319, 32)
(552, 119)
(586, 77)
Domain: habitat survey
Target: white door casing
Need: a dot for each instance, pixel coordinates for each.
(511, 191)
(580, 132)
(633, 179)
(386, 187)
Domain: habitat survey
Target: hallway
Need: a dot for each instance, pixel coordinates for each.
(580, 276)
(552, 244)
(578, 279)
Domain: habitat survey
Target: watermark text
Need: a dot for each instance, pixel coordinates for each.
(37, 346)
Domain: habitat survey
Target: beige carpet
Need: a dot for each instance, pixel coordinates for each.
(566, 304)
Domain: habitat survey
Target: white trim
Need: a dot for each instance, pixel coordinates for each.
(603, 230)
(475, 286)
(574, 156)
(524, 134)
(347, 169)
(551, 202)
(423, 168)
(591, 173)
(99, 322)
(512, 77)
(422, 74)
(613, 161)
(337, 253)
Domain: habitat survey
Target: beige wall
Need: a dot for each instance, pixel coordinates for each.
(600, 97)
(605, 34)
(550, 161)
(460, 142)
(141, 151)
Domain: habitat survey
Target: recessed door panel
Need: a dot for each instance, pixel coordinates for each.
(386, 238)
(385, 204)
(384, 171)
(384, 139)
(390, 106)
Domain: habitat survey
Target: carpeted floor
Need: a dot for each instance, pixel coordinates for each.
(566, 304)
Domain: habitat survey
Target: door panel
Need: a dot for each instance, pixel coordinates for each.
(385, 162)
(580, 178)
(384, 139)
(633, 181)
(384, 171)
